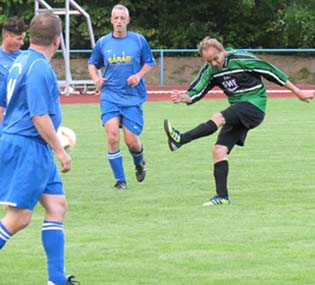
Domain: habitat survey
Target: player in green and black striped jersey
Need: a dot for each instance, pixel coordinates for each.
(239, 75)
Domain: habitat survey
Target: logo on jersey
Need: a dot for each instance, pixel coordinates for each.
(12, 81)
(229, 83)
(123, 59)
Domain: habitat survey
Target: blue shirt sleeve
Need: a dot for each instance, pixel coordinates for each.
(2, 95)
(39, 84)
(96, 57)
(146, 55)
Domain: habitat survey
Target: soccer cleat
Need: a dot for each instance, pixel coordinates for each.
(217, 200)
(120, 185)
(173, 135)
(141, 171)
(70, 281)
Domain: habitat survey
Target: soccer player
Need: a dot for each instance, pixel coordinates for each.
(239, 75)
(13, 34)
(126, 58)
(28, 170)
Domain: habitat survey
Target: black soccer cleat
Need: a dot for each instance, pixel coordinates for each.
(173, 135)
(70, 281)
(120, 185)
(141, 171)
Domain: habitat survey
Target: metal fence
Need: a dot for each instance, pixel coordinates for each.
(160, 53)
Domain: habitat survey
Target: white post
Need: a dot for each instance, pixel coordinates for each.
(67, 49)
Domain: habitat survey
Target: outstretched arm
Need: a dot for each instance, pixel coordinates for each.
(178, 97)
(303, 95)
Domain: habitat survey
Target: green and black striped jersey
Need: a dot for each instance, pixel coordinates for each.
(240, 78)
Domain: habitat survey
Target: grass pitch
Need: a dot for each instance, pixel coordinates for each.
(158, 233)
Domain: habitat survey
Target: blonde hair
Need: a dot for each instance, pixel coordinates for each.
(208, 42)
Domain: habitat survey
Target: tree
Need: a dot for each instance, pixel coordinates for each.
(183, 23)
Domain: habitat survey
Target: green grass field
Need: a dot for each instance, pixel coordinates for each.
(158, 232)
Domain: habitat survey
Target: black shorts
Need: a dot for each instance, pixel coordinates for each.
(239, 119)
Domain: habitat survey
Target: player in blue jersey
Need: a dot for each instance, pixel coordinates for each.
(13, 34)
(126, 58)
(28, 170)
(239, 75)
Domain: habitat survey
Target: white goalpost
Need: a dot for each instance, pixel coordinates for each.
(71, 8)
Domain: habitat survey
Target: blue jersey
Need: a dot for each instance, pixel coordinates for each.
(31, 90)
(121, 58)
(6, 61)
(3, 73)
(7, 58)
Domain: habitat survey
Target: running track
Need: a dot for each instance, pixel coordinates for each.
(162, 93)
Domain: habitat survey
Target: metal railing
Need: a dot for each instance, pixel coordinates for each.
(161, 54)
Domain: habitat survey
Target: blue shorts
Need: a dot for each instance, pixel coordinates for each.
(131, 116)
(28, 170)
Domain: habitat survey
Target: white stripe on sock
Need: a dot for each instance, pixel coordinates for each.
(4, 235)
(114, 155)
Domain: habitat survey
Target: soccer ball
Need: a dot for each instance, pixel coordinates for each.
(67, 137)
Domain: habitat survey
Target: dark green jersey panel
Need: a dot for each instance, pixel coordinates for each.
(240, 78)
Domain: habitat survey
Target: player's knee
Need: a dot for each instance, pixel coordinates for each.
(19, 221)
(133, 143)
(112, 136)
(56, 211)
(219, 152)
(218, 119)
(24, 222)
(61, 209)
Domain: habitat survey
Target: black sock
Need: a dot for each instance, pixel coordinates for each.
(203, 130)
(220, 172)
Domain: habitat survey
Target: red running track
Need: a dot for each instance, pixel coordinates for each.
(162, 93)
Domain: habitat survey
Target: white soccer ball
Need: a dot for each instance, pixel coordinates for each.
(67, 137)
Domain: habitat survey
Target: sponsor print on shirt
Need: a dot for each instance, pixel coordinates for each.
(230, 84)
(123, 59)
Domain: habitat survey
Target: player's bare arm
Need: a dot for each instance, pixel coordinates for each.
(1, 113)
(134, 79)
(179, 97)
(98, 81)
(303, 95)
(46, 129)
